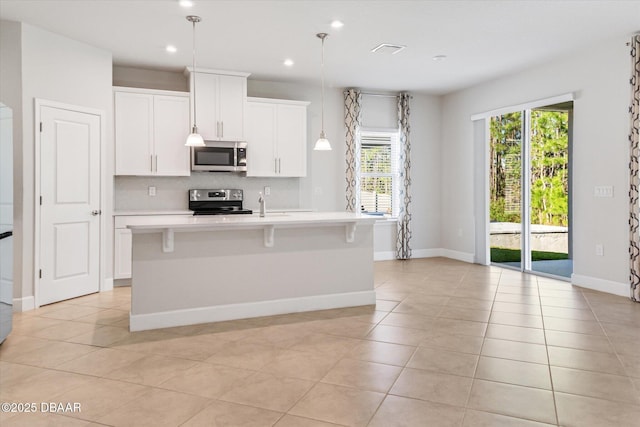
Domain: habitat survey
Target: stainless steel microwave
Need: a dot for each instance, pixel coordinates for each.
(219, 156)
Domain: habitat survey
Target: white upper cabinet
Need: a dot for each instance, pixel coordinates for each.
(150, 130)
(261, 139)
(276, 133)
(220, 104)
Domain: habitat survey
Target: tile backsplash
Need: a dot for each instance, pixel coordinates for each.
(131, 192)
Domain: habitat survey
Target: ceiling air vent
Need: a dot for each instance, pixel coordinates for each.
(388, 48)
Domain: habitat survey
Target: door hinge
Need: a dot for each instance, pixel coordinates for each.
(40, 274)
(40, 126)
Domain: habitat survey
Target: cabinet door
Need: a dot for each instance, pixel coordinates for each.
(122, 253)
(291, 140)
(133, 133)
(206, 103)
(260, 132)
(232, 92)
(170, 130)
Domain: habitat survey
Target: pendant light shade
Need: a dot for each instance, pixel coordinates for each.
(322, 144)
(194, 139)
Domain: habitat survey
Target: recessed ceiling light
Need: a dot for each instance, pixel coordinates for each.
(186, 3)
(171, 48)
(288, 62)
(337, 24)
(439, 58)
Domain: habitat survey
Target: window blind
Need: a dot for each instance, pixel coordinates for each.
(378, 172)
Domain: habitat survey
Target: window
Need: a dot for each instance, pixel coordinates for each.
(379, 176)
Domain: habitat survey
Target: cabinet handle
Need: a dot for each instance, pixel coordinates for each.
(156, 168)
(222, 129)
(218, 129)
(275, 165)
(279, 165)
(151, 159)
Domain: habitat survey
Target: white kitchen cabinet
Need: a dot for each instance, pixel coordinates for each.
(220, 101)
(150, 130)
(276, 133)
(122, 253)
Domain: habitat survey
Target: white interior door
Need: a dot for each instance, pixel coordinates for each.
(70, 204)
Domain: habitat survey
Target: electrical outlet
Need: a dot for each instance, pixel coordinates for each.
(267, 191)
(603, 191)
(152, 191)
(599, 249)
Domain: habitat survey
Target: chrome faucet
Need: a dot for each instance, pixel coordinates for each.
(262, 204)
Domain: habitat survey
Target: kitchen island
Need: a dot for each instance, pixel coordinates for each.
(198, 269)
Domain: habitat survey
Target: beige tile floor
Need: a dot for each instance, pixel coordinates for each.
(448, 344)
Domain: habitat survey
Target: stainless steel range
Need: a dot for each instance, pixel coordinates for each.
(217, 202)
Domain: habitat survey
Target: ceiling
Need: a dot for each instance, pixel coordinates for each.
(482, 40)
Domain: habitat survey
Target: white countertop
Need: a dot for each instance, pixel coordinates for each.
(189, 212)
(186, 223)
(148, 213)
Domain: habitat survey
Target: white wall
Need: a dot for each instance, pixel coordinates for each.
(381, 112)
(149, 79)
(58, 69)
(599, 78)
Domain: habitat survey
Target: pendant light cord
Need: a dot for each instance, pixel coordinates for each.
(322, 74)
(195, 127)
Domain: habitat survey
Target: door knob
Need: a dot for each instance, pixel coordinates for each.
(96, 212)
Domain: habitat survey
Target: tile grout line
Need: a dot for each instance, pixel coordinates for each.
(484, 338)
(386, 394)
(546, 348)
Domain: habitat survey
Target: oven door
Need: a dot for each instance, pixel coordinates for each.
(215, 157)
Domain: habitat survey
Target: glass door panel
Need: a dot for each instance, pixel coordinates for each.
(549, 191)
(505, 183)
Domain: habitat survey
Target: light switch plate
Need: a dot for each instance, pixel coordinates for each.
(152, 191)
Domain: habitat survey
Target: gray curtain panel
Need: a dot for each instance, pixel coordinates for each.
(634, 146)
(352, 121)
(403, 247)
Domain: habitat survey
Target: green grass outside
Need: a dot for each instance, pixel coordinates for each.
(513, 255)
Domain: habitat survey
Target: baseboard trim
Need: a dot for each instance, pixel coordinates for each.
(165, 319)
(24, 304)
(602, 285)
(457, 255)
(107, 285)
(384, 255)
(427, 253)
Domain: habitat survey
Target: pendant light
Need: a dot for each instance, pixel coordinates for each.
(194, 139)
(322, 144)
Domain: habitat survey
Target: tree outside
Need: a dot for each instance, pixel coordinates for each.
(549, 159)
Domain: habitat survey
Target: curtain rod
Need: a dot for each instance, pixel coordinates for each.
(382, 95)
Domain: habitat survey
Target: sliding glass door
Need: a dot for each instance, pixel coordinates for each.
(529, 170)
(505, 186)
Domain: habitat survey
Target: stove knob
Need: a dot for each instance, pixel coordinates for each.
(237, 195)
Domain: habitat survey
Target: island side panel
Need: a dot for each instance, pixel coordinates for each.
(227, 274)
